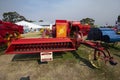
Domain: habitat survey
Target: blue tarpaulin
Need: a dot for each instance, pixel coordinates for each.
(103, 34)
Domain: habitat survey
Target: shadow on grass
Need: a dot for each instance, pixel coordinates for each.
(39, 62)
(57, 55)
(29, 57)
(85, 61)
(26, 57)
(2, 52)
(115, 47)
(25, 78)
(111, 45)
(2, 49)
(117, 55)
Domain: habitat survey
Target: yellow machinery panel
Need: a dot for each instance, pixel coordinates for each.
(61, 30)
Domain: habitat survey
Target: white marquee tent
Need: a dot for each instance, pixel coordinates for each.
(28, 26)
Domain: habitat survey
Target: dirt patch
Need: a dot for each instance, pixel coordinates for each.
(59, 69)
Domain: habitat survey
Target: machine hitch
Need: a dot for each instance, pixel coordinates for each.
(99, 54)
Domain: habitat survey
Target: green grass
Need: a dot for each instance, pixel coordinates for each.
(31, 35)
(73, 65)
(2, 49)
(106, 72)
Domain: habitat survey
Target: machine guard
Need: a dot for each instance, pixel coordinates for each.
(37, 45)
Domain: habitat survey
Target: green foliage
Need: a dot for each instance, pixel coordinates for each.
(40, 20)
(13, 17)
(118, 18)
(89, 21)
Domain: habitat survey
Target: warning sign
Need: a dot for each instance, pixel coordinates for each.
(46, 56)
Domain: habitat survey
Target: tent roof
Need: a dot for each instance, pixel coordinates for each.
(28, 24)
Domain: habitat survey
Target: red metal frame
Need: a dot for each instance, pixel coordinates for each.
(37, 45)
(60, 43)
(7, 28)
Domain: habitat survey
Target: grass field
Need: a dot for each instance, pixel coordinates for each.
(65, 66)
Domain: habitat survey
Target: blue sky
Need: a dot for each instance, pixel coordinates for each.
(102, 11)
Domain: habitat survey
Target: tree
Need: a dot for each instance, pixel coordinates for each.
(40, 20)
(89, 21)
(13, 17)
(118, 19)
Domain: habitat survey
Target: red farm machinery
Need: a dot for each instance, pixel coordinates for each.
(8, 32)
(67, 36)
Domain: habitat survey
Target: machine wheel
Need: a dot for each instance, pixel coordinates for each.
(96, 58)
